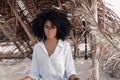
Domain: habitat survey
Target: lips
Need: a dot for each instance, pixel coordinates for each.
(49, 34)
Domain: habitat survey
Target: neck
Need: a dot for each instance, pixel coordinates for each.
(52, 40)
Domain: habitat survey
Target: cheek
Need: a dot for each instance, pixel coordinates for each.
(45, 31)
(55, 32)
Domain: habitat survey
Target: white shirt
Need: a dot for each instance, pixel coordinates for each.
(59, 66)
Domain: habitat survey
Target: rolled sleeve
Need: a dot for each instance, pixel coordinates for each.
(70, 68)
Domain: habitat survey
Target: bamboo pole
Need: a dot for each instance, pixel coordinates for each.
(60, 4)
(85, 36)
(95, 63)
(76, 52)
(11, 56)
(23, 25)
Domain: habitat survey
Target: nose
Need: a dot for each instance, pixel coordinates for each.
(49, 29)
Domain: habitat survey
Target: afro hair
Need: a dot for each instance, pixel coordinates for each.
(58, 18)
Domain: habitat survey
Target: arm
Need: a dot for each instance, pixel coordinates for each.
(70, 68)
(34, 70)
(34, 66)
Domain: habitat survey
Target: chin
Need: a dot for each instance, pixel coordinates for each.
(50, 37)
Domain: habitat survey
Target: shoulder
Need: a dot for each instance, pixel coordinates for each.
(37, 45)
(64, 43)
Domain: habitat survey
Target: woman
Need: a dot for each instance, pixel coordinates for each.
(52, 57)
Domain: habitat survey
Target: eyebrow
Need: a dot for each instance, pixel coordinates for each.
(52, 25)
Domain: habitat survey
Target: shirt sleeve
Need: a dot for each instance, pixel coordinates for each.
(34, 70)
(70, 67)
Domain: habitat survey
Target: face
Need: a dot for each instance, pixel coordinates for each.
(50, 30)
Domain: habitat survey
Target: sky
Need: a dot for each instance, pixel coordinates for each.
(114, 5)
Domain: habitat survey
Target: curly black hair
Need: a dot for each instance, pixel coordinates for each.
(58, 18)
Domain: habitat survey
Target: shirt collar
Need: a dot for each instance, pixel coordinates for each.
(60, 43)
(58, 47)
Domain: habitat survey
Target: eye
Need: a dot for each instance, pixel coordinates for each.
(49, 27)
(46, 27)
(53, 26)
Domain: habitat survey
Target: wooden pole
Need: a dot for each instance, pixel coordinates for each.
(76, 53)
(23, 25)
(85, 36)
(60, 4)
(95, 63)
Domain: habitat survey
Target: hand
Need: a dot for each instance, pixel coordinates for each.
(76, 79)
(27, 78)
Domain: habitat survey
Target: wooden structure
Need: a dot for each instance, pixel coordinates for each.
(16, 17)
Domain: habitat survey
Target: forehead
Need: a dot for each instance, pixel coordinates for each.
(48, 22)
